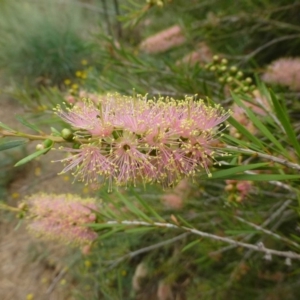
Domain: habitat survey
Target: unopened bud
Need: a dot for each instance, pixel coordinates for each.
(67, 134)
(223, 68)
(224, 61)
(216, 58)
(239, 74)
(248, 80)
(47, 143)
(229, 79)
(39, 147)
(233, 70)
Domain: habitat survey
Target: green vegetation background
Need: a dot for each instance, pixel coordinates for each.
(52, 50)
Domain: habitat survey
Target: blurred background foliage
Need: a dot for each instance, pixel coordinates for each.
(55, 51)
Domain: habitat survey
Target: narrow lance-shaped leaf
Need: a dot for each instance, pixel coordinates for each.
(32, 156)
(55, 131)
(246, 133)
(263, 129)
(6, 127)
(147, 207)
(133, 208)
(264, 177)
(283, 117)
(234, 170)
(240, 143)
(12, 144)
(27, 124)
(190, 245)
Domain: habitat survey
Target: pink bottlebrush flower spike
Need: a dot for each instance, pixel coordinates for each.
(62, 217)
(163, 40)
(160, 140)
(284, 71)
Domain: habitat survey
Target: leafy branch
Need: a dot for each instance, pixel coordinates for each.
(259, 247)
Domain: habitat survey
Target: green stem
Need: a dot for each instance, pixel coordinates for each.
(32, 137)
(272, 158)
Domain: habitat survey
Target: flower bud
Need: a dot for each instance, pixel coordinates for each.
(39, 147)
(216, 58)
(239, 74)
(223, 68)
(229, 79)
(224, 61)
(76, 146)
(248, 80)
(67, 134)
(221, 80)
(233, 70)
(47, 143)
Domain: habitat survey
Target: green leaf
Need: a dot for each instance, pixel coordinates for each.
(234, 170)
(240, 143)
(245, 133)
(55, 132)
(190, 245)
(32, 156)
(133, 208)
(140, 229)
(5, 127)
(239, 232)
(264, 177)
(283, 117)
(27, 124)
(147, 207)
(109, 233)
(184, 222)
(259, 125)
(12, 144)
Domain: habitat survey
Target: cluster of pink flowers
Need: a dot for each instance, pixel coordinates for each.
(126, 139)
(163, 40)
(62, 217)
(284, 71)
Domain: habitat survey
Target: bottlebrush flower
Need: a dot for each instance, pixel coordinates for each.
(87, 116)
(159, 140)
(163, 40)
(89, 162)
(130, 163)
(284, 71)
(62, 217)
